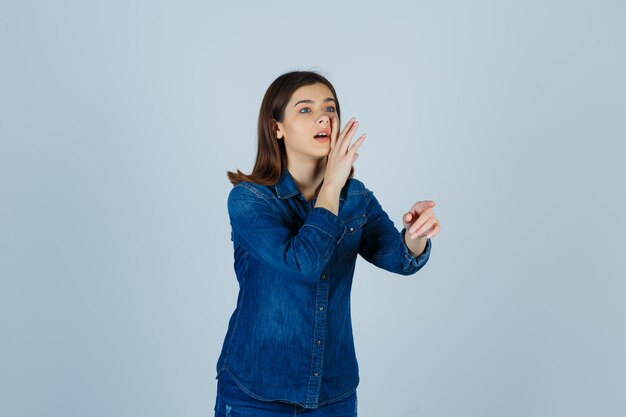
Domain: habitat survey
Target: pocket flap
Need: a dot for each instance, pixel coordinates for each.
(353, 224)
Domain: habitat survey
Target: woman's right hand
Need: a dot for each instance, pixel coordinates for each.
(341, 155)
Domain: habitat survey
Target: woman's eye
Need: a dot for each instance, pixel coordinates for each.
(308, 109)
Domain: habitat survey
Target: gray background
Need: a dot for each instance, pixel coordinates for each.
(118, 121)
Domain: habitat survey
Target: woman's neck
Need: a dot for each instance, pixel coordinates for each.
(308, 176)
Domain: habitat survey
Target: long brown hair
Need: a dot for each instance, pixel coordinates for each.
(271, 157)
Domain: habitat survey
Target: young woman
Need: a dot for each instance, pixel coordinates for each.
(298, 222)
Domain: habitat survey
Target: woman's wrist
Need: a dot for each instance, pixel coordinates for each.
(328, 198)
(416, 246)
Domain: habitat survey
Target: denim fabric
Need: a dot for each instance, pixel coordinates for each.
(231, 401)
(290, 336)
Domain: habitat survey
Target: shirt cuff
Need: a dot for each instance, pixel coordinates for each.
(416, 261)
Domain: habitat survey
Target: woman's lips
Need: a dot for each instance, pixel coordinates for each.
(322, 139)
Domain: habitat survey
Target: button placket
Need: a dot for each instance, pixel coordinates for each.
(318, 345)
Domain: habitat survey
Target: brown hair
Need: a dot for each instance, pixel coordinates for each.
(271, 157)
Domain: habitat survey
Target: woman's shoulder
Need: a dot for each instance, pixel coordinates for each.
(247, 189)
(246, 197)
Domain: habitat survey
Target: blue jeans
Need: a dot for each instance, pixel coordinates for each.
(233, 402)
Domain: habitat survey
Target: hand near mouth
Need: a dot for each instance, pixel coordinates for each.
(342, 155)
(339, 163)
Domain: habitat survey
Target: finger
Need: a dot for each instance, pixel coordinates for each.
(420, 206)
(346, 136)
(423, 205)
(434, 232)
(334, 130)
(428, 231)
(341, 134)
(426, 228)
(348, 126)
(421, 220)
(355, 146)
(407, 219)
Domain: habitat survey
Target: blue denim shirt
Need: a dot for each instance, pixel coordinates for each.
(290, 336)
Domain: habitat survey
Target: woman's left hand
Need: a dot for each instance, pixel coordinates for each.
(420, 221)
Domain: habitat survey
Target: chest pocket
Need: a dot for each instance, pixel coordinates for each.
(350, 242)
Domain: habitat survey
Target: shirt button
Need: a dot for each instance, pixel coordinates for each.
(321, 308)
(352, 229)
(316, 373)
(319, 342)
(323, 276)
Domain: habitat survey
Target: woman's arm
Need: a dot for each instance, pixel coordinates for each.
(384, 246)
(260, 230)
(328, 198)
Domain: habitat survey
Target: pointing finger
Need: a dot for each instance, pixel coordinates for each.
(420, 206)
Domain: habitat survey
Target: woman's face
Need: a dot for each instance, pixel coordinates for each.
(307, 119)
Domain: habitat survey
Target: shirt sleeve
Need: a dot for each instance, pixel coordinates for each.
(260, 230)
(384, 246)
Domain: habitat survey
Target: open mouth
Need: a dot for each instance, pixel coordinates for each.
(321, 137)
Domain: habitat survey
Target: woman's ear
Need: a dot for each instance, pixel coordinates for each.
(278, 130)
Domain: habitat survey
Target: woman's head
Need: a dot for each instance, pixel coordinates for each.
(271, 158)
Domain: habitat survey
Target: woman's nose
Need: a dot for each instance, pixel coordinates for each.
(323, 119)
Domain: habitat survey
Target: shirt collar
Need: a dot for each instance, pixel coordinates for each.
(286, 187)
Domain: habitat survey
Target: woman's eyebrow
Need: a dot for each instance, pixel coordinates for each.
(311, 101)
